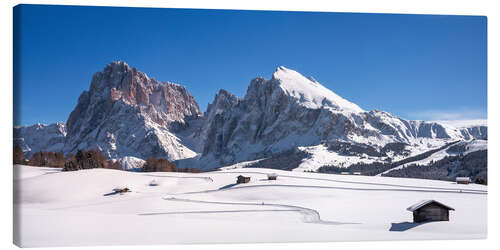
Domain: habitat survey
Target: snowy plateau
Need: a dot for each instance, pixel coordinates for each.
(332, 160)
(78, 208)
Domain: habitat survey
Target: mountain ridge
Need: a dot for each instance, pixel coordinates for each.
(125, 113)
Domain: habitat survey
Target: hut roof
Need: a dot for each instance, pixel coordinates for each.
(463, 179)
(425, 202)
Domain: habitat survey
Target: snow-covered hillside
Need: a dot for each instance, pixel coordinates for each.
(131, 163)
(78, 208)
(469, 147)
(321, 156)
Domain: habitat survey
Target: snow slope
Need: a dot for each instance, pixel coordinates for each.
(471, 146)
(131, 163)
(321, 156)
(78, 208)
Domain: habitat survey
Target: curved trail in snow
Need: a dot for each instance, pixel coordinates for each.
(308, 215)
(362, 183)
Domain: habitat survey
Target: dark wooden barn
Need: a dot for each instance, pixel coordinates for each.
(243, 179)
(272, 176)
(430, 210)
(121, 190)
(463, 180)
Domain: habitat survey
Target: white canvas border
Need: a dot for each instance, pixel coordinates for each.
(487, 8)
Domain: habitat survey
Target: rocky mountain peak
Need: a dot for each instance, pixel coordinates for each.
(222, 101)
(116, 66)
(121, 98)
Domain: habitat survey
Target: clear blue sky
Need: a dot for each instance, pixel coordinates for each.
(415, 66)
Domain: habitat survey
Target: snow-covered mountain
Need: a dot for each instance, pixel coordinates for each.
(40, 137)
(292, 111)
(127, 114)
(124, 113)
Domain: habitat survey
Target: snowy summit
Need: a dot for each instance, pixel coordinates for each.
(310, 92)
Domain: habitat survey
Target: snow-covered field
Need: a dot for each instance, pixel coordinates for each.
(56, 208)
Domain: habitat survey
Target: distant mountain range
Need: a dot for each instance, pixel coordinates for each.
(129, 116)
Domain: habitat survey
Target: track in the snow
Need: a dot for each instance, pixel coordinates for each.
(308, 215)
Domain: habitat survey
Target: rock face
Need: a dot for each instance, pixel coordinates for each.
(126, 113)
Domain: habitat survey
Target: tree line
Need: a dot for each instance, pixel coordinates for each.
(87, 159)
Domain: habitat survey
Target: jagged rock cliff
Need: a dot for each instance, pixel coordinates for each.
(126, 113)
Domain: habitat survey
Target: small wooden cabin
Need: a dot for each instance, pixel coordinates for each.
(243, 179)
(345, 173)
(121, 190)
(430, 210)
(463, 180)
(272, 176)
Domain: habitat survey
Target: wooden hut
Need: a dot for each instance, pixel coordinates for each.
(272, 176)
(121, 190)
(463, 180)
(430, 210)
(243, 179)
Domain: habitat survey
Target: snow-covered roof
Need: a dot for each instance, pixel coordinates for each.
(425, 202)
(463, 179)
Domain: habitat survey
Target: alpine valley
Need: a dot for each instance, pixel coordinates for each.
(287, 122)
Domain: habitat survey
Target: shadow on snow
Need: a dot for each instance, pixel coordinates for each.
(403, 226)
